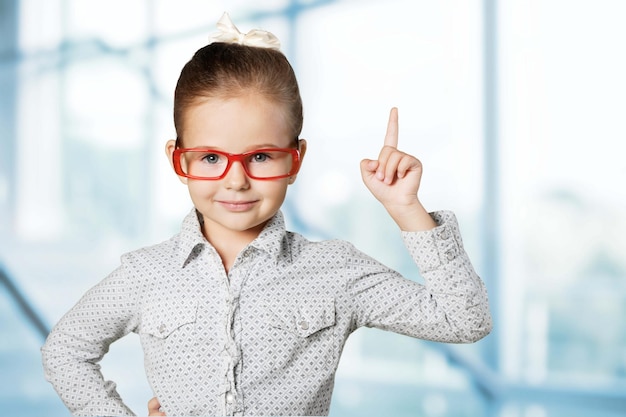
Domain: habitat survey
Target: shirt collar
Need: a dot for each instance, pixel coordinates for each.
(191, 240)
(272, 237)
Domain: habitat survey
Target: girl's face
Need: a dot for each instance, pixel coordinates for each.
(236, 203)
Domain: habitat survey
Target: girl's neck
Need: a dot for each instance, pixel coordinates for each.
(229, 243)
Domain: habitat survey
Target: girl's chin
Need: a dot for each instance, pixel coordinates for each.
(234, 225)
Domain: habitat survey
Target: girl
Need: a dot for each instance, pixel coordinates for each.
(236, 315)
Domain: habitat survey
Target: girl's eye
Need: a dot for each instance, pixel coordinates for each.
(260, 157)
(211, 158)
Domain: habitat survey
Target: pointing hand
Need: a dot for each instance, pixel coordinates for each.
(394, 179)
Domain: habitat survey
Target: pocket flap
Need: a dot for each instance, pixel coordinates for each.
(161, 318)
(303, 317)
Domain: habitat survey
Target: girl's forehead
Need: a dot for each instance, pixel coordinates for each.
(238, 122)
(250, 103)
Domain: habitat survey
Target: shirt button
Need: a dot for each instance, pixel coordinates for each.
(162, 328)
(230, 398)
(450, 255)
(304, 325)
(444, 234)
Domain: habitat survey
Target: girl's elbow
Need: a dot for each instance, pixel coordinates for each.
(474, 327)
(479, 332)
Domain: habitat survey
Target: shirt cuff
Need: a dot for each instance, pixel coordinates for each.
(432, 248)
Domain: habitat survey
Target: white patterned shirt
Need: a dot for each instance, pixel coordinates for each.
(264, 339)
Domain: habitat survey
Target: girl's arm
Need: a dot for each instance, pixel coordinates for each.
(80, 340)
(453, 305)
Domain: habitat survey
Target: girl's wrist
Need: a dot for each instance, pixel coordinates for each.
(412, 218)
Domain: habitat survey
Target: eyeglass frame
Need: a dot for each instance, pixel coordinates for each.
(231, 158)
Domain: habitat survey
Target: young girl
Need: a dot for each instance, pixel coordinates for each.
(236, 315)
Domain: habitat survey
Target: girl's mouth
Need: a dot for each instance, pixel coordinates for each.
(237, 206)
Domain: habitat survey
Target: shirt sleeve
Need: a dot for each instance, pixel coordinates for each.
(451, 307)
(79, 341)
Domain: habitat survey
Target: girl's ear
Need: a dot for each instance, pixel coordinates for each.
(170, 146)
(302, 149)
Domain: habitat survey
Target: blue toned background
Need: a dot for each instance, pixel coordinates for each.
(515, 107)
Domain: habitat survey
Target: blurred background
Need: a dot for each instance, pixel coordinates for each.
(515, 107)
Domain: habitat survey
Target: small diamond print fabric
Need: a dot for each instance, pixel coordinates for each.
(266, 338)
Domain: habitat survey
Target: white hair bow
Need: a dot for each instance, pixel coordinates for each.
(229, 33)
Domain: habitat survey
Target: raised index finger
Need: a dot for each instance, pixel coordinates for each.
(391, 137)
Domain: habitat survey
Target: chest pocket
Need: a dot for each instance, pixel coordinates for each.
(161, 319)
(303, 317)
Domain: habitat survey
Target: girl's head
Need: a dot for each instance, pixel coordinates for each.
(230, 70)
(237, 100)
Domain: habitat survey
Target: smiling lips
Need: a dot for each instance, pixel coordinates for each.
(237, 206)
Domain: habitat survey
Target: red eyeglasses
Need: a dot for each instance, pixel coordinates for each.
(259, 164)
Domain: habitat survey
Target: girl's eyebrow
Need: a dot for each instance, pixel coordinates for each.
(247, 149)
(265, 145)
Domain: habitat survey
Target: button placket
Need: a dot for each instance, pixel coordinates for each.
(235, 280)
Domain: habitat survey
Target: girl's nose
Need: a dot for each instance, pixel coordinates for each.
(236, 177)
